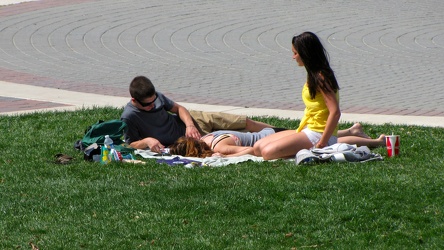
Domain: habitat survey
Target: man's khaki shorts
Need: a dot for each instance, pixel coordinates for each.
(206, 122)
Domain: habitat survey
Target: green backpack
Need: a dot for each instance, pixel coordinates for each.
(95, 136)
(96, 133)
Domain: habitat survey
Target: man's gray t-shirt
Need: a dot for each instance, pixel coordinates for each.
(157, 123)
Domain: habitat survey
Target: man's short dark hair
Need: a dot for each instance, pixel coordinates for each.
(141, 87)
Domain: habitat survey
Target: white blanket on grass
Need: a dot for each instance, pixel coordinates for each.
(213, 161)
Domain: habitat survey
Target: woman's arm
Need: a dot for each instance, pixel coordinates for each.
(228, 147)
(333, 117)
(228, 151)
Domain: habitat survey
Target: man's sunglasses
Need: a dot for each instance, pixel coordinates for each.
(146, 104)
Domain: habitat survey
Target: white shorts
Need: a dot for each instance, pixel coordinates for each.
(314, 137)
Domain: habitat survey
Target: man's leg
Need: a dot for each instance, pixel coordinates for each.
(211, 121)
(255, 126)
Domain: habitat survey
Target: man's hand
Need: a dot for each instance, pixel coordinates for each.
(184, 114)
(153, 144)
(192, 132)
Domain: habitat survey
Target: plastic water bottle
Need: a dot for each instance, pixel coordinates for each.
(108, 142)
(113, 154)
(106, 156)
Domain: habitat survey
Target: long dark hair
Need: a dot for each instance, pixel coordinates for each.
(320, 76)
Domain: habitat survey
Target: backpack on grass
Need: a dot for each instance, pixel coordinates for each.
(96, 132)
(95, 136)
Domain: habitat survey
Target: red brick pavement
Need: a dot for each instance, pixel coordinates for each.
(14, 104)
(9, 104)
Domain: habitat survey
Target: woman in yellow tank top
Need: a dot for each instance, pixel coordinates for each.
(320, 94)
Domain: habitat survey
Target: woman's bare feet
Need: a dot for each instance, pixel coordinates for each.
(357, 130)
(381, 140)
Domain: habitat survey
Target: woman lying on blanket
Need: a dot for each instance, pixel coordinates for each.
(222, 143)
(235, 143)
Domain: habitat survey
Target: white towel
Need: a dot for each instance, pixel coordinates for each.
(213, 161)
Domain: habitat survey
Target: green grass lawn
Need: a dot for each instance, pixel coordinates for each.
(397, 203)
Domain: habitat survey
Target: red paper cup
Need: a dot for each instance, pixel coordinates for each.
(392, 143)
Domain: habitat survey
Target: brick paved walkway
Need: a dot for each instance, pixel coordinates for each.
(388, 55)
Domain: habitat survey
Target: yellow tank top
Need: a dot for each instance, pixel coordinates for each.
(316, 112)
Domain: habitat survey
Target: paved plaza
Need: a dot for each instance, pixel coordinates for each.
(388, 55)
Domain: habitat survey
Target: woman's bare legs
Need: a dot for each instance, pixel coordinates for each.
(268, 139)
(355, 135)
(355, 130)
(361, 141)
(283, 144)
(287, 143)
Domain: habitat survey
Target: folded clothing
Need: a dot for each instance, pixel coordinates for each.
(339, 152)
